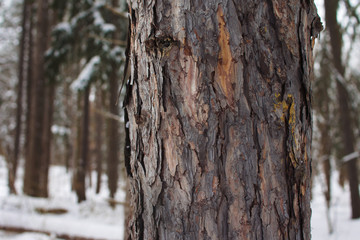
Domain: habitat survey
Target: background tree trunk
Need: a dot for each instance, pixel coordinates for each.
(29, 81)
(322, 102)
(82, 165)
(34, 171)
(98, 137)
(345, 121)
(220, 119)
(113, 137)
(113, 125)
(19, 109)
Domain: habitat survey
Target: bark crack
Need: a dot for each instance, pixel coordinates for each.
(257, 201)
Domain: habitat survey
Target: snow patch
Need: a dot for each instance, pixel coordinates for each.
(93, 218)
(86, 74)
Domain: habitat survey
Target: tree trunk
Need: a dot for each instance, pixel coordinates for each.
(29, 82)
(47, 134)
(98, 137)
(345, 121)
(83, 164)
(322, 102)
(220, 119)
(68, 138)
(113, 127)
(113, 137)
(19, 108)
(77, 143)
(34, 171)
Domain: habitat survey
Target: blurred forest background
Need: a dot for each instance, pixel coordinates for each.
(61, 68)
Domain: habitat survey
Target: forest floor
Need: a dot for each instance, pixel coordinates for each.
(91, 219)
(344, 228)
(95, 219)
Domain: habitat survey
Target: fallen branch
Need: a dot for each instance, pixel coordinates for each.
(57, 211)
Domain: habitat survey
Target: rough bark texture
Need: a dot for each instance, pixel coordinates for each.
(220, 119)
(345, 120)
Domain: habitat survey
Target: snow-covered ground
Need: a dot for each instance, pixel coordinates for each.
(94, 218)
(340, 213)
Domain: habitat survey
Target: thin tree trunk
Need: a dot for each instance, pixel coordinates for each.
(19, 109)
(321, 105)
(77, 143)
(69, 148)
(220, 119)
(345, 121)
(113, 134)
(29, 82)
(113, 128)
(83, 164)
(34, 171)
(98, 130)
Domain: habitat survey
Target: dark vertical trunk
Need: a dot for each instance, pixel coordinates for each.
(34, 162)
(98, 138)
(47, 134)
(83, 164)
(19, 109)
(113, 128)
(345, 121)
(29, 81)
(77, 144)
(113, 137)
(220, 119)
(322, 101)
(69, 148)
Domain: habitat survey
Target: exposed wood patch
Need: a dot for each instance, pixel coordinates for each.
(225, 67)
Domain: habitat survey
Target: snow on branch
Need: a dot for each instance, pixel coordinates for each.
(350, 156)
(99, 22)
(86, 74)
(63, 27)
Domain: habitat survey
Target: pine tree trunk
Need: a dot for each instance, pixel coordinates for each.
(82, 164)
(345, 122)
(322, 102)
(47, 134)
(34, 166)
(19, 108)
(113, 127)
(77, 144)
(220, 119)
(68, 138)
(29, 81)
(98, 138)
(113, 137)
